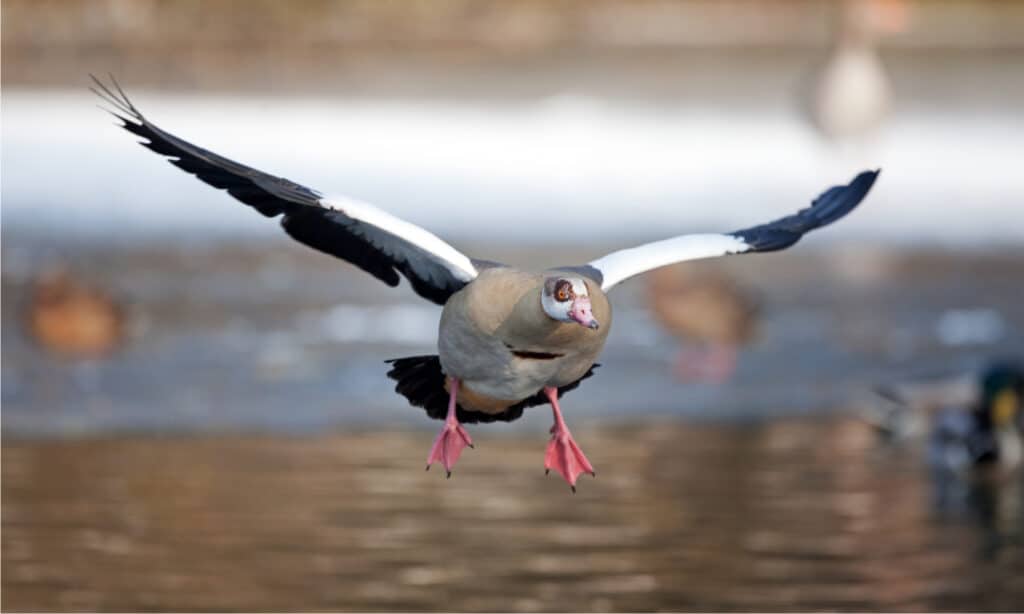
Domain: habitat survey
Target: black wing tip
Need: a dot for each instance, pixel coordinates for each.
(116, 97)
(830, 206)
(865, 180)
(836, 202)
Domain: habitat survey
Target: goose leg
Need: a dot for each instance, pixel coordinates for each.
(453, 437)
(563, 455)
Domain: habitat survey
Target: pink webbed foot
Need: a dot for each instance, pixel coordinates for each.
(448, 446)
(452, 439)
(565, 457)
(563, 454)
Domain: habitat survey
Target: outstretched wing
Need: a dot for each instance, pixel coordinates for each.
(372, 239)
(833, 204)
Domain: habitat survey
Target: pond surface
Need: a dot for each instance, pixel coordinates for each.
(129, 482)
(272, 336)
(790, 515)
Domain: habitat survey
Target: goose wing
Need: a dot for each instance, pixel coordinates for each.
(831, 205)
(370, 238)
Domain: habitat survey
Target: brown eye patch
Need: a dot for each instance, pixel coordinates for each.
(563, 291)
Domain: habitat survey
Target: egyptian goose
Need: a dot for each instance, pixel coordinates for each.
(705, 308)
(508, 339)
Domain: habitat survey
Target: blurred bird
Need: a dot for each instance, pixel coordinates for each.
(852, 92)
(72, 318)
(508, 339)
(969, 421)
(707, 309)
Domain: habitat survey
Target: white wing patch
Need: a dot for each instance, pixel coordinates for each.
(458, 263)
(623, 264)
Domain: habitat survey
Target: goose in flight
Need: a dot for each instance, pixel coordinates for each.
(508, 339)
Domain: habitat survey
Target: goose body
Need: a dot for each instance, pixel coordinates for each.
(495, 337)
(508, 339)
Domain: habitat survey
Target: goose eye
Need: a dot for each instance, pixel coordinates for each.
(562, 291)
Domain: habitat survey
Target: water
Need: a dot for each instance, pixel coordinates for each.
(789, 515)
(699, 502)
(273, 336)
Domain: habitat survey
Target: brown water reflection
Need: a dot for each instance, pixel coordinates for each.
(787, 515)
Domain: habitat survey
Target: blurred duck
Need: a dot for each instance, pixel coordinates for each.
(969, 423)
(71, 318)
(708, 310)
(852, 93)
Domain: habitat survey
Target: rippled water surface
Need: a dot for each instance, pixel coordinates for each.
(794, 514)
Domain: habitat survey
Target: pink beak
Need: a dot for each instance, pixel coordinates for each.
(581, 313)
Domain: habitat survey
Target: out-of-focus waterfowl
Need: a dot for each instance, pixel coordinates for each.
(852, 93)
(968, 421)
(707, 311)
(72, 318)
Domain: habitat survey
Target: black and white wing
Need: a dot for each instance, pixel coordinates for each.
(833, 204)
(372, 239)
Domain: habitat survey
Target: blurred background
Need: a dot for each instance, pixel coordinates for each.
(195, 411)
